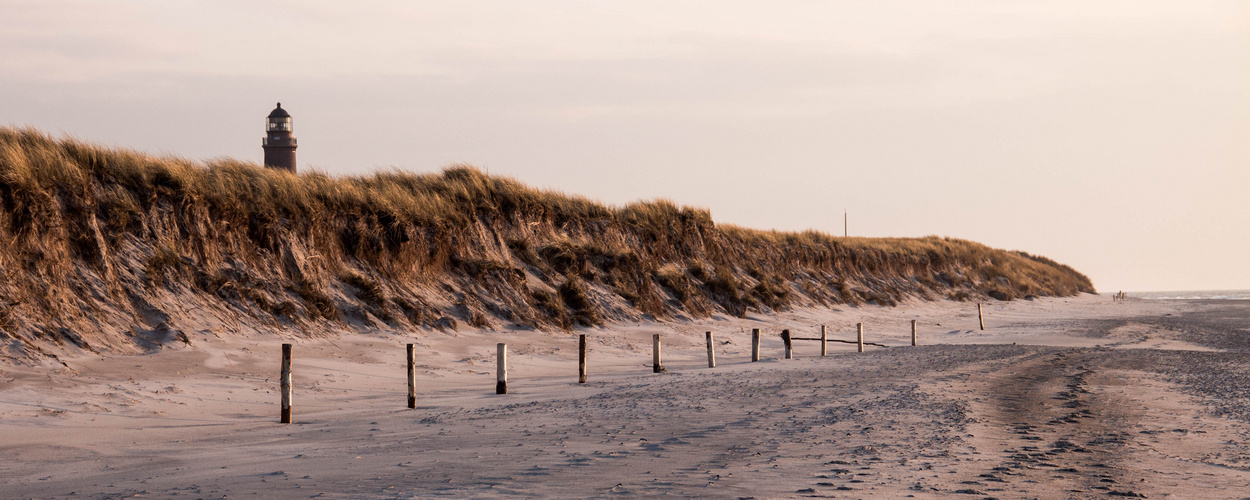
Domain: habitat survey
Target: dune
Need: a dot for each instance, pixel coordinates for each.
(113, 251)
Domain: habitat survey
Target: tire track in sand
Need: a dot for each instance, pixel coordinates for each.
(1053, 437)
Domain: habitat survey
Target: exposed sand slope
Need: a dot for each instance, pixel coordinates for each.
(1096, 400)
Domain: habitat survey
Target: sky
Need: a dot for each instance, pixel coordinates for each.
(1113, 136)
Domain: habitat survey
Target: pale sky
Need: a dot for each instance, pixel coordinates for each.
(1110, 136)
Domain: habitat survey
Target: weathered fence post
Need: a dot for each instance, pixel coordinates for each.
(755, 344)
(980, 317)
(501, 370)
(785, 339)
(581, 359)
(656, 367)
(711, 354)
(824, 339)
(412, 378)
(286, 383)
(913, 333)
(859, 332)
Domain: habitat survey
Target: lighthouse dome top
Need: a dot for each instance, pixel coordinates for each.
(278, 112)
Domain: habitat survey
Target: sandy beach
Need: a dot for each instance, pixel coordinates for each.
(1057, 398)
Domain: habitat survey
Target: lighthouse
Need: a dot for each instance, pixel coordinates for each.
(279, 142)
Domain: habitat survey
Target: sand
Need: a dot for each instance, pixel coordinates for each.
(1057, 398)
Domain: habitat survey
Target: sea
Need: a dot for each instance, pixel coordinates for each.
(1193, 294)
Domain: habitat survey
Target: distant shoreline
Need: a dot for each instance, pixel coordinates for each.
(1191, 295)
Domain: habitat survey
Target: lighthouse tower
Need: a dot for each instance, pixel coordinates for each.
(279, 143)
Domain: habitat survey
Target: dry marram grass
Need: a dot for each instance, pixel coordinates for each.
(101, 241)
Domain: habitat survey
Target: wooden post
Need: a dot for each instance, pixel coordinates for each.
(980, 317)
(501, 371)
(824, 339)
(655, 354)
(859, 333)
(581, 359)
(785, 339)
(711, 355)
(412, 378)
(286, 383)
(755, 344)
(913, 333)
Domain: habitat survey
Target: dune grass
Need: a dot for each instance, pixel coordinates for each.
(90, 229)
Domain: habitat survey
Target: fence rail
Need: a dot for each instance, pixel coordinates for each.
(501, 385)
